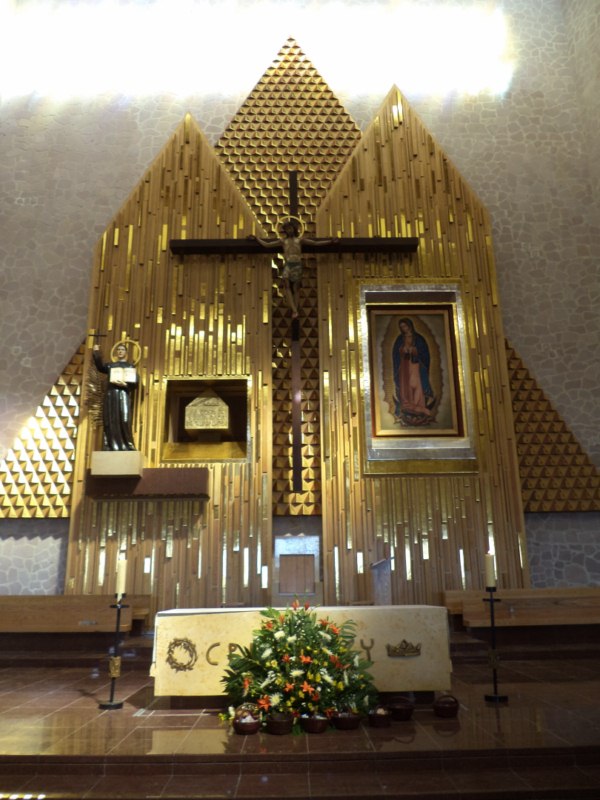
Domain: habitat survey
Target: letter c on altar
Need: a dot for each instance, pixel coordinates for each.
(208, 652)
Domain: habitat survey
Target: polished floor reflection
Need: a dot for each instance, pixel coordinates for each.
(56, 742)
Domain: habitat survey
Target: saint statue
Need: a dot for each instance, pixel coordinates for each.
(118, 399)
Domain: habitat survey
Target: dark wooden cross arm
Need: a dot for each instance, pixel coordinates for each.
(375, 244)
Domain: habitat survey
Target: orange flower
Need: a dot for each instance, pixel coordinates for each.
(289, 687)
(324, 623)
(247, 681)
(295, 605)
(334, 629)
(306, 687)
(269, 625)
(264, 702)
(305, 659)
(285, 657)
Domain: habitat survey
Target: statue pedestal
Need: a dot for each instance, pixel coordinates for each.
(117, 462)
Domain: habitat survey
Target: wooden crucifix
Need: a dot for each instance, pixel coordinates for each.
(253, 245)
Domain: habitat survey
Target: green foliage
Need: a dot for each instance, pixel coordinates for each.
(302, 665)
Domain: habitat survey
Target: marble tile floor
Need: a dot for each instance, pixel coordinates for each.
(55, 742)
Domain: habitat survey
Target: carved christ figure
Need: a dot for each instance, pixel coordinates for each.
(291, 243)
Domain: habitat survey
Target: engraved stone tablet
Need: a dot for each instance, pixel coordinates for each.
(207, 412)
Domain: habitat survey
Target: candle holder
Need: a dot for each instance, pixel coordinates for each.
(493, 654)
(114, 662)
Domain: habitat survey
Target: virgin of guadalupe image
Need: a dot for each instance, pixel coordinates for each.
(411, 360)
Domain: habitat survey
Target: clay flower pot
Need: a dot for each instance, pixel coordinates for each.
(246, 719)
(279, 725)
(402, 709)
(314, 724)
(446, 705)
(246, 725)
(380, 717)
(346, 721)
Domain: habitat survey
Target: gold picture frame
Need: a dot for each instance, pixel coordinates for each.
(416, 398)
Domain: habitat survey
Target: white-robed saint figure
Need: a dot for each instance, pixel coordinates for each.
(118, 399)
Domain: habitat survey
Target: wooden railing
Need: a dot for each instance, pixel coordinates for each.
(68, 613)
(573, 606)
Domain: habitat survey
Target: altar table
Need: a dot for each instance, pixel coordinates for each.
(191, 646)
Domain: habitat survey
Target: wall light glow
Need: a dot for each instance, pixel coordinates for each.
(200, 47)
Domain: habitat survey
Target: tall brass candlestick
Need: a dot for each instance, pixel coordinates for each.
(493, 655)
(114, 663)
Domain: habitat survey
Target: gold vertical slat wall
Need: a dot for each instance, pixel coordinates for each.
(193, 318)
(434, 528)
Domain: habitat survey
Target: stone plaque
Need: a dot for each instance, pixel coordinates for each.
(207, 412)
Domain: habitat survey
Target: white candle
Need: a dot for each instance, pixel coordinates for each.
(121, 576)
(490, 571)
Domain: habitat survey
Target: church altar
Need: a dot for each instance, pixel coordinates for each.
(408, 645)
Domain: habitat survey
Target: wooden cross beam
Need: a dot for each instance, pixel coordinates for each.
(250, 246)
(354, 244)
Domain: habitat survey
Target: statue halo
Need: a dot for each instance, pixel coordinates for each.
(283, 220)
(137, 350)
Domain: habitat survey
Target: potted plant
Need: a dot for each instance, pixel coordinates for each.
(380, 717)
(302, 665)
(246, 719)
(401, 708)
(279, 722)
(346, 719)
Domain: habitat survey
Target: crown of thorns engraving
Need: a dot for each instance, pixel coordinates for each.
(181, 654)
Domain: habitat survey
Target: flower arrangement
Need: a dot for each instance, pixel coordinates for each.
(300, 665)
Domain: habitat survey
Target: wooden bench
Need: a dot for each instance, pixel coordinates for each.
(522, 607)
(67, 613)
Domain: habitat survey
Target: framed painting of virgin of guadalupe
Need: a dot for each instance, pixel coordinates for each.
(416, 386)
(413, 369)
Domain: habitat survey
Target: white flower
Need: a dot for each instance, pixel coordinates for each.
(275, 699)
(271, 676)
(327, 677)
(325, 636)
(268, 652)
(279, 634)
(296, 673)
(291, 639)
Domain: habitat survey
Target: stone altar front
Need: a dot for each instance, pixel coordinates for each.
(191, 646)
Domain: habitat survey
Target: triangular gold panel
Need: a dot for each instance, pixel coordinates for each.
(549, 455)
(25, 472)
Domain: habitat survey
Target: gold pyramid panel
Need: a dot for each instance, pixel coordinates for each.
(556, 474)
(36, 473)
(290, 121)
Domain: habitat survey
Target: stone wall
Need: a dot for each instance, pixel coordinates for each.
(564, 549)
(33, 556)
(533, 156)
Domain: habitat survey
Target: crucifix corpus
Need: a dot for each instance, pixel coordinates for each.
(293, 245)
